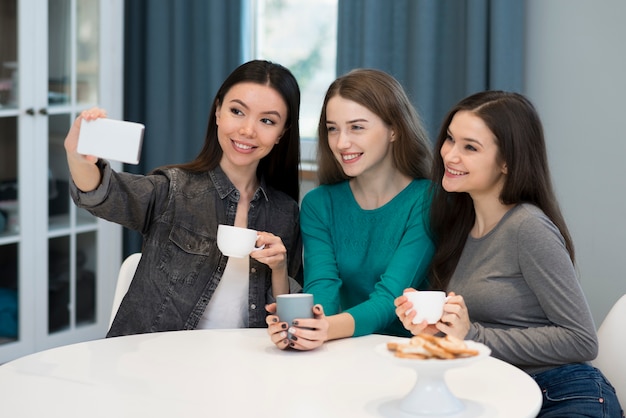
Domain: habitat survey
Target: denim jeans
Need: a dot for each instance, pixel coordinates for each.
(577, 390)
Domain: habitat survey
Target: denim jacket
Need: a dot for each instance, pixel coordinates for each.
(177, 213)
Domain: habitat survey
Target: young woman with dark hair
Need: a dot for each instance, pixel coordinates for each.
(506, 258)
(245, 175)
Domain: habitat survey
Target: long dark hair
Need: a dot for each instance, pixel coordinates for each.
(382, 94)
(515, 123)
(280, 168)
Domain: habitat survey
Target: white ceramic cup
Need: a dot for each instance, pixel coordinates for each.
(294, 306)
(234, 241)
(428, 304)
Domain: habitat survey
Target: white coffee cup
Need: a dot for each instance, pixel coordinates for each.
(294, 306)
(235, 241)
(428, 304)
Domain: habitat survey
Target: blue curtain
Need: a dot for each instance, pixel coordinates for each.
(177, 54)
(440, 50)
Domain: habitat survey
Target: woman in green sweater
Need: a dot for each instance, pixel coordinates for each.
(365, 229)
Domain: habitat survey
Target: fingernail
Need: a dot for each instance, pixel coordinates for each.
(283, 334)
(274, 319)
(283, 326)
(292, 345)
(294, 338)
(295, 322)
(291, 330)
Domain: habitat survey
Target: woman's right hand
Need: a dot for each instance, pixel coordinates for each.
(406, 313)
(71, 140)
(84, 172)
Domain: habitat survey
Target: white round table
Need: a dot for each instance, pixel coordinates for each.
(239, 373)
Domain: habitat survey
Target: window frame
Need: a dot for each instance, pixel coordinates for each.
(250, 39)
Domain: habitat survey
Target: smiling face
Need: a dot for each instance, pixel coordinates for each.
(358, 138)
(250, 122)
(471, 158)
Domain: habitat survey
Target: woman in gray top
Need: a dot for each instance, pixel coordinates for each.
(506, 257)
(246, 175)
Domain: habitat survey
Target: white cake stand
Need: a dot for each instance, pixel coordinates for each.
(431, 395)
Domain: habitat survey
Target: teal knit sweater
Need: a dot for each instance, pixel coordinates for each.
(358, 261)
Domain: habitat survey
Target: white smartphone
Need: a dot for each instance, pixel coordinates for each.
(111, 139)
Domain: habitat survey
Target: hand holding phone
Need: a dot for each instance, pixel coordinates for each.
(111, 139)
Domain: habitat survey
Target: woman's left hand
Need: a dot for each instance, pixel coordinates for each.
(455, 320)
(307, 334)
(274, 254)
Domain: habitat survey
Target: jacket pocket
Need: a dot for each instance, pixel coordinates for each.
(184, 255)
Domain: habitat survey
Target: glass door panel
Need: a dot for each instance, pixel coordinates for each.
(86, 267)
(59, 52)
(59, 284)
(58, 173)
(84, 218)
(64, 293)
(73, 78)
(66, 82)
(9, 288)
(9, 207)
(9, 203)
(87, 51)
(8, 54)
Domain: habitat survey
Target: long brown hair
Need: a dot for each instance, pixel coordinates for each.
(280, 168)
(515, 123)
(382, 94)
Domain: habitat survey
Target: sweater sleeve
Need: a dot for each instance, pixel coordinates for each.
(569, 336)
(322, 280)
(128, 199)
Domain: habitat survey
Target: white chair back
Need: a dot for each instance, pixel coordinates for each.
(612, 338)
(124, 277)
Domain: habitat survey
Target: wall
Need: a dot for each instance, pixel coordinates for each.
(576, 76)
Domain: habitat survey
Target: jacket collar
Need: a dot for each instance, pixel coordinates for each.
(225, 187)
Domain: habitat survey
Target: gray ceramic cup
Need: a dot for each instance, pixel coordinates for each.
(294, 306)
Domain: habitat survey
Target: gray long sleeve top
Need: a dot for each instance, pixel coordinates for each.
(523, 295)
